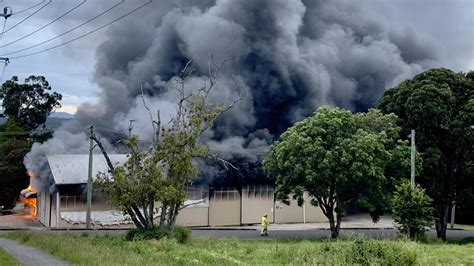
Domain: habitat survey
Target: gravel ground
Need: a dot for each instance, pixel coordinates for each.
(28, 256)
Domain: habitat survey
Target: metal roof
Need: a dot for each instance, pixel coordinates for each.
(73, 168)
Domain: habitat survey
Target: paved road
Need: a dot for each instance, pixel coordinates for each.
(28, 256)
(311, 234)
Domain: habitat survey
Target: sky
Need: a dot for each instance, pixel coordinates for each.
(445, 29)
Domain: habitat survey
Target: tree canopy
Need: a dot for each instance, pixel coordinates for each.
(26, 106)
(439, 105)
(30, 103)
(338, 158)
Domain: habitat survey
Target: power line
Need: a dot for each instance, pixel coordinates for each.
(28, 17)
(68, 31)
(28, 8)
(40, 28)
(86, 34)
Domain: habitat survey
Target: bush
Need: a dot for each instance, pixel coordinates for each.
(369, 252)
(182, 235)
(412, 210)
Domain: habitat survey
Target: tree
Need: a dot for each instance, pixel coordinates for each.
(338, 158)
(13, 176)
(439, 105)
(26, 106)
(30, 103)
(162, 172)
(412, 210)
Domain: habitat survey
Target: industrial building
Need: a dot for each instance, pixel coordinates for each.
(63, 204)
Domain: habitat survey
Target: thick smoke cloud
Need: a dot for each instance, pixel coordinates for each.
(287, 56)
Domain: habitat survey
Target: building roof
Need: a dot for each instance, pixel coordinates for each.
(73, 168)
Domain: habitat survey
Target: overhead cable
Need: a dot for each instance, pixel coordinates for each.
(46, 25)
(86, 34)
(28, 17)
(28, 8)
(68, 31)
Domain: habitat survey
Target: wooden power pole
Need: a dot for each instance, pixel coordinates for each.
(89, 179)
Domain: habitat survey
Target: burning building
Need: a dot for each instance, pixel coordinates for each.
(28, 197)
(63, 204)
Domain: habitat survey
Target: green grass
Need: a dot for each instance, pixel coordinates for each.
(6, 259)
(115, 250)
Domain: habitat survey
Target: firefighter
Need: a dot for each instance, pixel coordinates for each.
(264, 231)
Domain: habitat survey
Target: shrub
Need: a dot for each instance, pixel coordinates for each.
(412, 210)
(369, 251)
(182, 235)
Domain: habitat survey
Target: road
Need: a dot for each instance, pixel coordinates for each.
(318, 233)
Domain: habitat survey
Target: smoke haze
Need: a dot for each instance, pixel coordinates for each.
(288, 56)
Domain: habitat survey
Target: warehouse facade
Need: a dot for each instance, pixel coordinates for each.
(65, 206)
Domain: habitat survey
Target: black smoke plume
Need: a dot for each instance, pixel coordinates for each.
(288, 56)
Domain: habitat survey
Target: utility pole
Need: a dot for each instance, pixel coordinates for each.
(7, 12)
(413, 154)
(130, 128)
(89, 180)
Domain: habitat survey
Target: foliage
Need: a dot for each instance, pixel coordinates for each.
(30, 103)
(161, 173)
(13, 176)
(338, 158)
(182, 235)
(412, 210)
(439, 105)
(26, 106)
(115, 250)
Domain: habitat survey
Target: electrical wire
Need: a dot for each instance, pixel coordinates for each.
(40, 28)
(28, 8)
(28, 17)
(68, 31)
(86, 34)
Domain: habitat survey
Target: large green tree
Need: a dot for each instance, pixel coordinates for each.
(439, 105)
(339, 158)
(30, 103)
(25, 106)
(13, 176)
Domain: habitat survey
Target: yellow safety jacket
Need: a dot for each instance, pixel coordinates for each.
(264, 222)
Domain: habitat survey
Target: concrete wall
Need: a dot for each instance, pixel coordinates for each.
(288, 213)
(224, 208)
(44, 208)
(193, 217)
(256, 201)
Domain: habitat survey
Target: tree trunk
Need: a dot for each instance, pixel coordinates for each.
(134, 218)
(164, 208)
(175, 215)
(334, 225)
(139, 215)
(442, 222)
(151, 212)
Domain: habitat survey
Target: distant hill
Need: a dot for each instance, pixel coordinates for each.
(54, 121)
(62, 115)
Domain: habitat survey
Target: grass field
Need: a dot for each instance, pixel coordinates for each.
(6, 259)
(114, 250)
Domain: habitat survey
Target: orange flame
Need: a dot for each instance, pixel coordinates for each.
(31, 202)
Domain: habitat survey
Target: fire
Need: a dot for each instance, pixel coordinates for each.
(29, 197)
